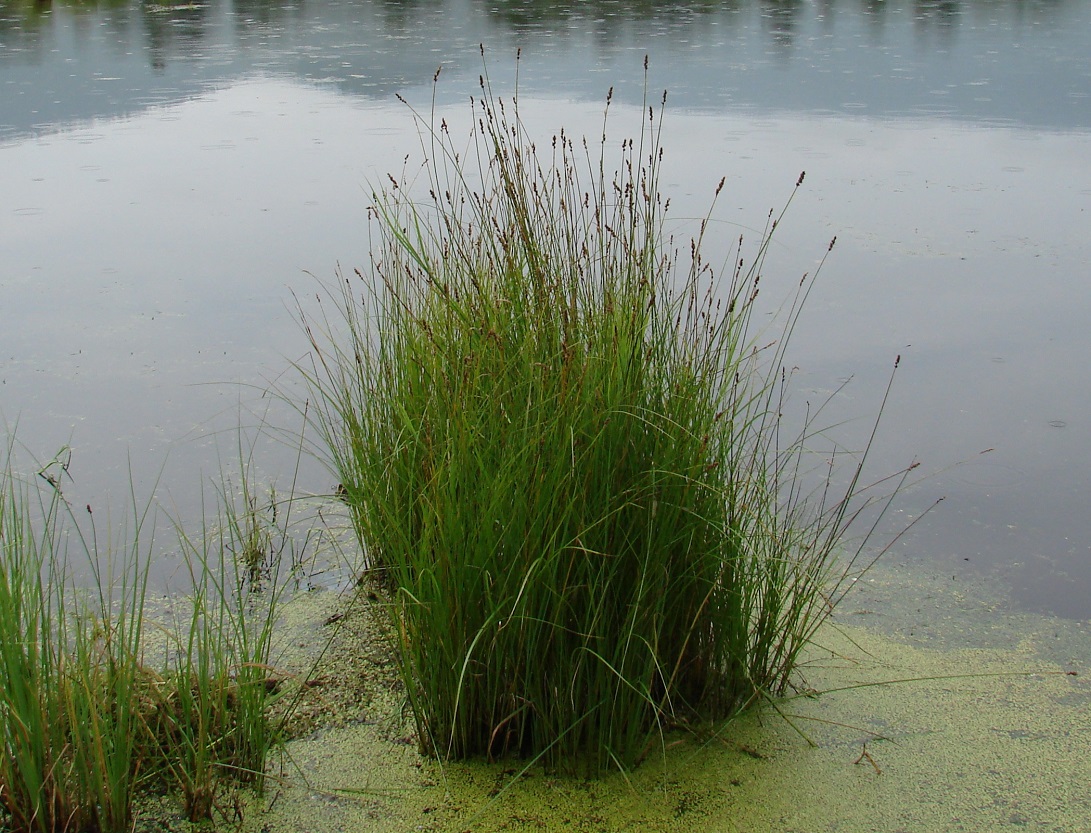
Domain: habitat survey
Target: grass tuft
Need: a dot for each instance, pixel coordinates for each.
(562, 447)
(87, 722)
(71, 677)
(218, 682)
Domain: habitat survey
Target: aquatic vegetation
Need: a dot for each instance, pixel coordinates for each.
(88, 721)
(70, 673)
(563, 449)
(211, 720)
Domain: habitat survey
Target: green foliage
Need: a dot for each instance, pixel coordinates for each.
(71, 681)
(86, 722)
(212, 723)
(562, 448)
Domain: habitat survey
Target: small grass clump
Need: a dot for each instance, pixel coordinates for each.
(71, 681)
(211, 720)
(88, 723)
(563, 450)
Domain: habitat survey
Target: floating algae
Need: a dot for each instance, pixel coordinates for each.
(967, 738)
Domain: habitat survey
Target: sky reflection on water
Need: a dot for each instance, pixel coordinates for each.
(981, 60)
(171, 177)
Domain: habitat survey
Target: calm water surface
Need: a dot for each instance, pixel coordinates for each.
(172, 176)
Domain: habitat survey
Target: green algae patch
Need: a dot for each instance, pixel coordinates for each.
(904, 737)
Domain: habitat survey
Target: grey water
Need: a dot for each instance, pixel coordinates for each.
(176, 177)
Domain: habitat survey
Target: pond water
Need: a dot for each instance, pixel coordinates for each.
(173, 176)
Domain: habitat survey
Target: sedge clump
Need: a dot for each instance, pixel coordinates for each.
(563, 451)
